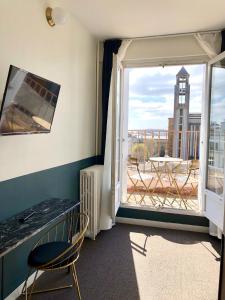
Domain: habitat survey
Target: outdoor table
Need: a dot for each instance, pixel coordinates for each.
(169, 171)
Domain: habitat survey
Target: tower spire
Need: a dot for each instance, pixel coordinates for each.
(183, 72)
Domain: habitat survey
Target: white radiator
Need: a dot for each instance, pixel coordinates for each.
(90, 197)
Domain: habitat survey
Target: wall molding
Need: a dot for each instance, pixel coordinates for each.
(165, 225)
(164, 210)
(164, 217)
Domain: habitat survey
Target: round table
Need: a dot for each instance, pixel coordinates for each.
(166, 159)
(169, 170)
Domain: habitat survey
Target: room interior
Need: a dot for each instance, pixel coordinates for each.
(64, 65)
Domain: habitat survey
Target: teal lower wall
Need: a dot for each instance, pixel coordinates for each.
(15, 267)
(1, 282)
(23, 192)
(141, 214)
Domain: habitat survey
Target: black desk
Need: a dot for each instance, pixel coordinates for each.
(13, 233)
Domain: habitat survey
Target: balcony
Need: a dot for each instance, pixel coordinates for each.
(159, 175)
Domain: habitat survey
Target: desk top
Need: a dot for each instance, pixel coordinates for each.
(165, 159)
(13, 232)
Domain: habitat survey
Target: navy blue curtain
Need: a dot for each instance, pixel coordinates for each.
(223, 40)
(110, 47)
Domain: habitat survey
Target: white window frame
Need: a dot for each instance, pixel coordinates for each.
(203, 143)
(217, 202)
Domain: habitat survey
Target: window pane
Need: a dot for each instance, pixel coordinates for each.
(215, 176)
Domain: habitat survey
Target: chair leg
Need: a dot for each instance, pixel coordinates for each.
(32, 287)
(75, 279)
(24, 289)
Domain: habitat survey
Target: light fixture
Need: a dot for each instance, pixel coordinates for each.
(55, 16)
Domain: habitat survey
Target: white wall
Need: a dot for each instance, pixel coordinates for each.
(64, 54)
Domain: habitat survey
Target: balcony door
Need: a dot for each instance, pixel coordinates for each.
(215, 137)
(117, 154)
(162, 120)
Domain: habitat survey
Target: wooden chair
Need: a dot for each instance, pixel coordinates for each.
(58, 249)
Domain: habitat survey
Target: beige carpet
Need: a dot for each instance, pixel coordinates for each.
(134, 262)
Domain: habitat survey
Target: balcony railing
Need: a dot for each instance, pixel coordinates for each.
(146, 143)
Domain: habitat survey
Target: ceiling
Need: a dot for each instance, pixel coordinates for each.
(139, 18)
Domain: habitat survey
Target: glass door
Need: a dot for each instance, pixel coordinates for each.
(214, 193)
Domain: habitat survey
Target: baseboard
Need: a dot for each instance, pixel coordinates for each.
(17, 292)
(166, 225)
(167, 210)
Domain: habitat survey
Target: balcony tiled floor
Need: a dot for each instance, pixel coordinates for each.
(159, 196)
(163, 202)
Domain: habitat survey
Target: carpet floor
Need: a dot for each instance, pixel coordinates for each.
(142, 263)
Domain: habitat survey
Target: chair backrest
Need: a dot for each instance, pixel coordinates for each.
(133, 161)
(193, 167)
(74, 236)
(133, 165)
(194, 164)
(133, 169)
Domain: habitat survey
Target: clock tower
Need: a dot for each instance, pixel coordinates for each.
(181, 114)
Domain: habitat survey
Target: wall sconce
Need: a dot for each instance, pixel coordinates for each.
(55, 16)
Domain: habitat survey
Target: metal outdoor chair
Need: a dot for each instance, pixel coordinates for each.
(194, 167)
(141, 182)
(186, 185)
(59, 248)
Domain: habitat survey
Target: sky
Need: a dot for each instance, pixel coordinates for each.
(218, 96)
(151, 95)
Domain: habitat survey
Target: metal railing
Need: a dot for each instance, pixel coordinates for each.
(145, 143)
